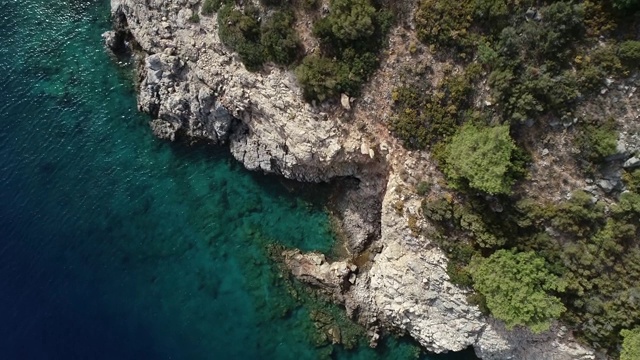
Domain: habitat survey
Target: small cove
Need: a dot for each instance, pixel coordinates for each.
(116, 245)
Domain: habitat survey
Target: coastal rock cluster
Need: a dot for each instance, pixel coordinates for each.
(195, 88)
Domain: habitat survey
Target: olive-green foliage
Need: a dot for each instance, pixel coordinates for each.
(629, 53)
(484, 230)
(595, 68)
(423, 188)
(594, 249)
(319, 77)
(518, 288)
(194, 18)
(351, 19)
(425, 116)
(531, 74)
(351, 37)
(444, 23)
(274, 2)
(632, 180)
(598, 257)
(597, 139)
(481, 157)
(630, 345)
(240, 30)
(210, 6)
(626, 4)
(279, 39)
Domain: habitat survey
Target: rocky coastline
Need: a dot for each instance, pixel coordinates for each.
(395, 279)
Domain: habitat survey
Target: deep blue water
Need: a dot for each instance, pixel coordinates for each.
(116, 245)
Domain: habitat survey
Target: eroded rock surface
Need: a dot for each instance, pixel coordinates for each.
(407, 288)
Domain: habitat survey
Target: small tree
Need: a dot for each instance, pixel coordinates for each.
(630, 344)
(279, 39)
(352, 19)
(516, 286)
(482, 157)
(319, 77)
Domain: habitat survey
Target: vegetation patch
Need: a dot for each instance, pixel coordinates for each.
(518, 288)
(481, 158)
(351, 37)
(631, 344)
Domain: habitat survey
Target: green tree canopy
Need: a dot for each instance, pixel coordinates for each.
(516, 286)
(279, 38)
(352, 19)
(481, 156)
(630, 344)
(625, 4)
(319, 77)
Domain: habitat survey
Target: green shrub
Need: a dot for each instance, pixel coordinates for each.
(629, 53)
(481, 157)
(562, 24)
(194, 18)
(630, 345)
(597, 140)
(274, 2)
(517, 288)
(210, 6)
(351, 37)
(444, 23)
(424, 116)
(319, 77)
(279, 39)
(240, 31)
(626, 4)
(351, 19)
(423, 188)
(632, 180)
(595, 68)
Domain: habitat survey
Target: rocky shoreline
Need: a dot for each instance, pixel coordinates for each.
(195, 88)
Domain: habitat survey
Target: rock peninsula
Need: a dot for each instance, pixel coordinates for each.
(395, 278)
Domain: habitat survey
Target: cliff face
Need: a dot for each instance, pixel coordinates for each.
(194, 87)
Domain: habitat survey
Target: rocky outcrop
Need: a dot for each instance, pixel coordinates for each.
(194, 87)
(313, 268)
(407, 288)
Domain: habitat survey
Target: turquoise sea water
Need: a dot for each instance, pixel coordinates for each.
(116, 245)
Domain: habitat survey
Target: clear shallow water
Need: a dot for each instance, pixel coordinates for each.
(115, 245)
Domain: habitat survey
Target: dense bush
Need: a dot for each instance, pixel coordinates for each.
(319, 77)
(626, 4)
(518, 288)
(351, 20)
(597, 140)
(210, 6)
(351, 37)
(425, 116)
(240, 30)
(444, 23)
(481, 158)
(274, 2)
(279, 39)
(629, 53)
(630, 345)
(257, 42)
